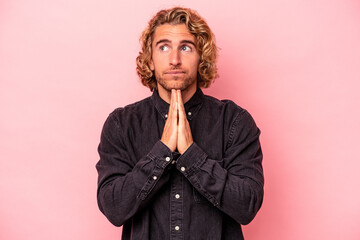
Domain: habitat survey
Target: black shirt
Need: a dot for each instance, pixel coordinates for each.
(205, 193)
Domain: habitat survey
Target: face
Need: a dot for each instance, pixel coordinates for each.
(175, 58)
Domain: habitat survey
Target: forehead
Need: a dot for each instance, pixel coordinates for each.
(174, 33)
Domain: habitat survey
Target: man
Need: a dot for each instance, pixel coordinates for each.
(179, 164)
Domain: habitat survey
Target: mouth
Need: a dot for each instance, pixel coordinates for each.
(175, 72)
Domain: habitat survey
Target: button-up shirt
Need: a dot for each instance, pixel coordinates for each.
(205, 193)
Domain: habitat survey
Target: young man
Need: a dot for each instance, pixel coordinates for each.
(179, 164)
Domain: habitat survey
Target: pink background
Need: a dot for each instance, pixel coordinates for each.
(65, 65)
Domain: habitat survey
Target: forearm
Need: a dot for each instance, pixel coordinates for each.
(121, 193)
(237, 191)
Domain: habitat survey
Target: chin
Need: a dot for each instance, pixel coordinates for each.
(178, 84)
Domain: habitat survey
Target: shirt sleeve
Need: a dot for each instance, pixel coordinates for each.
(235, 183)
(126, 185)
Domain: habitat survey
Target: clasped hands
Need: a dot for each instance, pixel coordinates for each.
(177, 132)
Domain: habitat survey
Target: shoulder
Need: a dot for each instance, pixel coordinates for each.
(130, 111)
(132, 108)
(234, 115)
(225, 106)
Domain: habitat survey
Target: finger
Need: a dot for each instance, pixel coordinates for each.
(173, 106)
(184, 132)
(179, 97)
(180, 106)
(169, 135)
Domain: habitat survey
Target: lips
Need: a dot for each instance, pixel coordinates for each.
(174, 72)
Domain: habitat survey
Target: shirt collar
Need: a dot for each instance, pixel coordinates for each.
(191, 107)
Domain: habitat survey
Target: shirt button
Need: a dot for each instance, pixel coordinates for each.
(166, 115)
(189, 113)
(173, 162)
(154, 177)
(182, 169)
(177, 228)
(167, 159)
(177, 196)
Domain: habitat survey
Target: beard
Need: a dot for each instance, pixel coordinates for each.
(175, 82)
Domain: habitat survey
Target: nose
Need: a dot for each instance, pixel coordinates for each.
(175, 58)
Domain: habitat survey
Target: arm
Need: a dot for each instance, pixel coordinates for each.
(126, 185)
(235, 183)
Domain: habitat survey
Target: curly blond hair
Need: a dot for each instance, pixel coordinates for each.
(205, 41)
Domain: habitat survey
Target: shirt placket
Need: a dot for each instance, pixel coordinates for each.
(176, 207)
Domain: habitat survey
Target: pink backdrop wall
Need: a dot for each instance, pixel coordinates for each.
(64, 65)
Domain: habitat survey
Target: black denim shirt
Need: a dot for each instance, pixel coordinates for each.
(205, 193)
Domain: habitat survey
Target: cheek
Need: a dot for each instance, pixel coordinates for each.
(195, 64)
(158, 62)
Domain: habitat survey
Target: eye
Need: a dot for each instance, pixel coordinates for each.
(164, 48)
(186, 48)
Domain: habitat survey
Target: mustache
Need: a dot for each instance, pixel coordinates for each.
(175, 68)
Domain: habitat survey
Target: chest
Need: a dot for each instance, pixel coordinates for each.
(208, 132)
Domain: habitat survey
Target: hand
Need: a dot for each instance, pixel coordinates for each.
(184, 138)
(169, 136)
(177, 132)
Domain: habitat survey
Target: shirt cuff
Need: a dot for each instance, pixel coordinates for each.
(191, 159)
(161, 154)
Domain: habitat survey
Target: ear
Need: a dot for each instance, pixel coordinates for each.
(151, 65)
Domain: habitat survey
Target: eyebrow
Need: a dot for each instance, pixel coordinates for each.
(168, 41)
